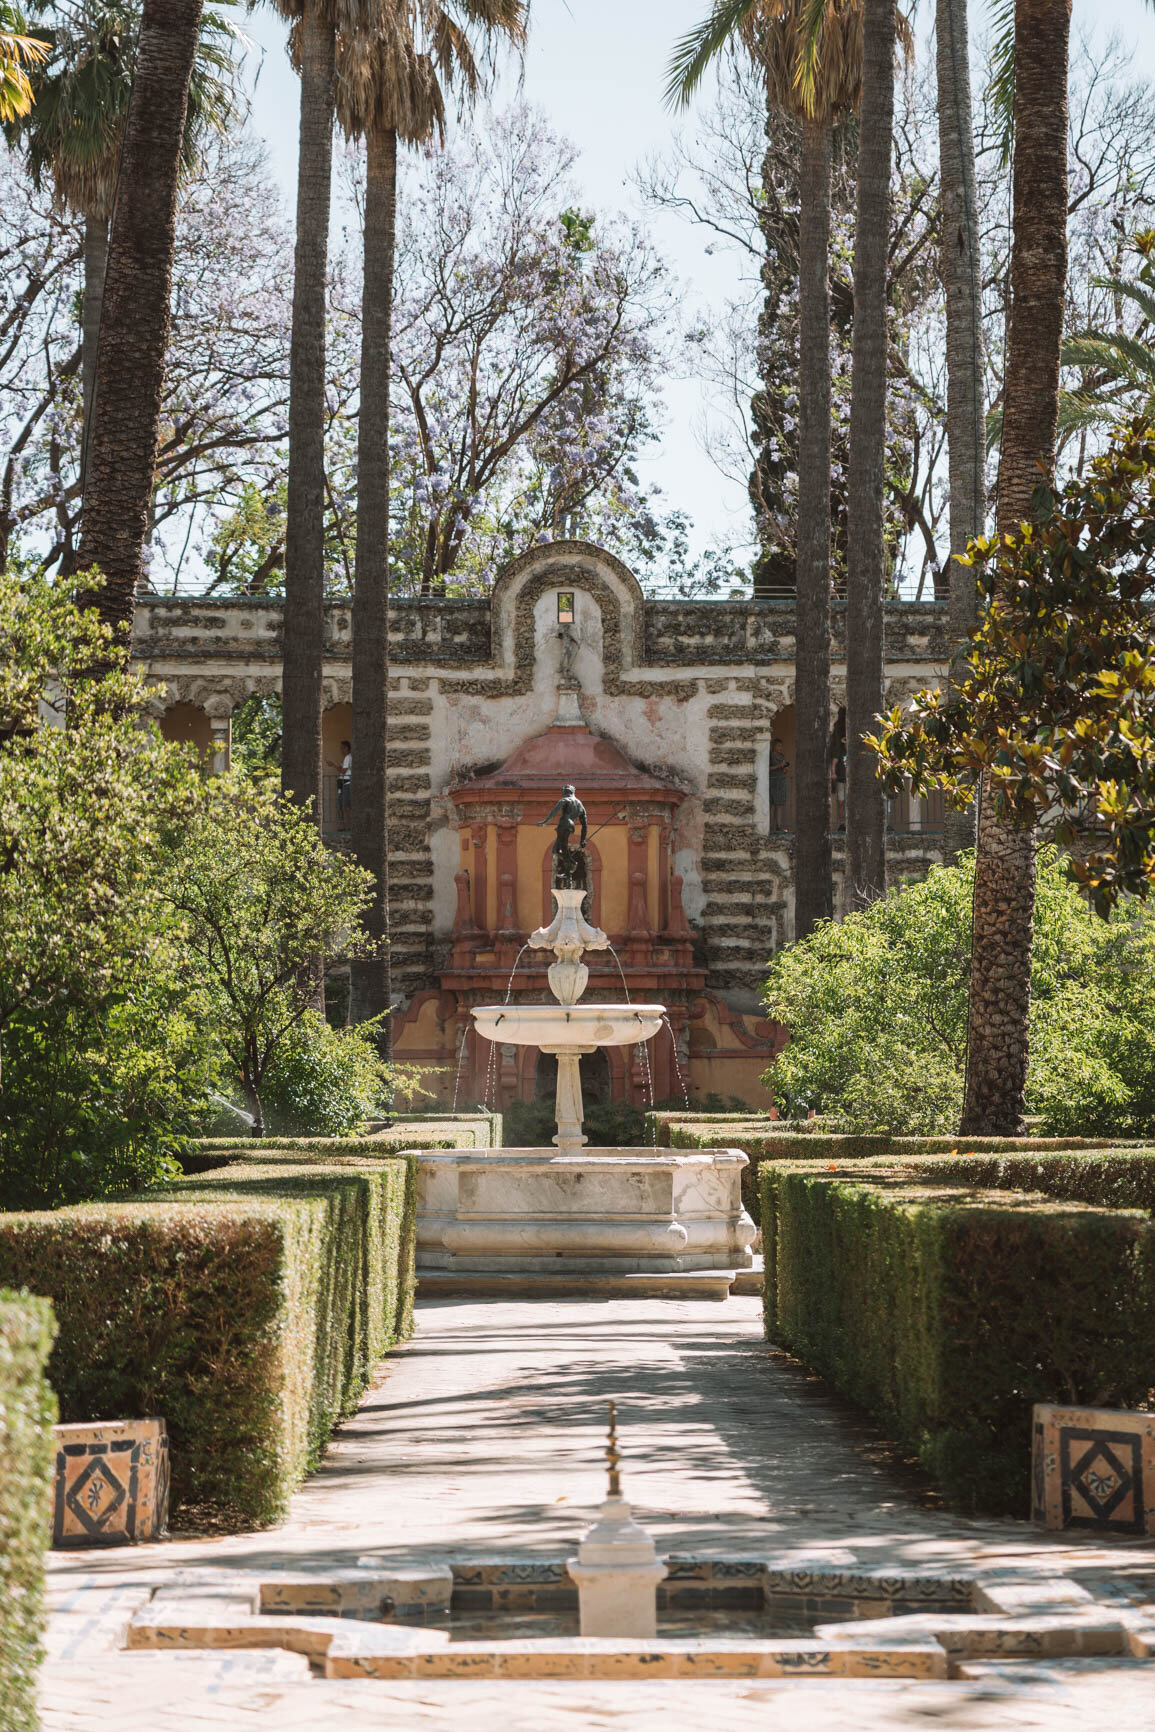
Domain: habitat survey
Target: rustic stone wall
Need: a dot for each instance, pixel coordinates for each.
(688, 690)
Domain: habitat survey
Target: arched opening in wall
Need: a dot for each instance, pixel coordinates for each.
(188, 725)
(336, 767)
(595, 1077)
(257, 729)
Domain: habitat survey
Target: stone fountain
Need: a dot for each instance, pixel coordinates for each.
(569, 1028)
(643, 1221)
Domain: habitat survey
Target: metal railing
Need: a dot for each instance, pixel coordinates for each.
(332, 820)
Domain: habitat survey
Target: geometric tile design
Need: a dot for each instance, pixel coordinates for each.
(1093, 1468)
(111, 1483)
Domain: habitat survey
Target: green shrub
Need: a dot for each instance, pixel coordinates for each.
(323, 1081)
(98, 1100)
(607, 1125)
(27, 1414)
(769, 1142)
(947, 1312)
(246, 1307)
(876, 1008)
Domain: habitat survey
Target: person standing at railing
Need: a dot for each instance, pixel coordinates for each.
(344, 784)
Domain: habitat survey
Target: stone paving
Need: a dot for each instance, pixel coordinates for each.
(482, 1438)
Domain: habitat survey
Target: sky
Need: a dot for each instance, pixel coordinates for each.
(597, 68)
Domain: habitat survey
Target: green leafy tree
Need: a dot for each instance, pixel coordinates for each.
(97, 1078)
(259, 899)
(876, 1007)
(1055, 701)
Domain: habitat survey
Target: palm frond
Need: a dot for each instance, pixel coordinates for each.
(699, 47)
(1081, 411)
(1115, 352)
(1137, 293)
(1001, 80)
(18, 53)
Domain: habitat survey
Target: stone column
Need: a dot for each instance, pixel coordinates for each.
(570, 1137)
(508, 934)
(479, 876)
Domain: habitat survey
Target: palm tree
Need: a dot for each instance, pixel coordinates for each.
(135, 320)
(387, 89)
(810, 52)
(866, 543)
(1004, 896)
(962, 283)
(74, 133)
(313, 43)
(18, 53)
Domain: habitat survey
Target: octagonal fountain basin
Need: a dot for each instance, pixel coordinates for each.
(574, 1027)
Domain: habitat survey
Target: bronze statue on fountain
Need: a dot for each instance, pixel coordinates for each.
(570, 865)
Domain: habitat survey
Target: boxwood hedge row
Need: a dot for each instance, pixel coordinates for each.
(947, 1311)
(27, 1415)
(247, 1307)
(761, 1141)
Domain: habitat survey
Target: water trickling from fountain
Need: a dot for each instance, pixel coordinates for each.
(512, 972)
(621, 971)
(677, 1066)
(462, 1044)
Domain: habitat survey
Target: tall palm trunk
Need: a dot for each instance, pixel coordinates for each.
(95, 270)
(961, 265)
(135, 320)
(1000, 986)
(865, 689)
(813, 897)
(371, 978)
(304, 627)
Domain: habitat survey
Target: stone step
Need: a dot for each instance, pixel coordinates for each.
(690, 1284)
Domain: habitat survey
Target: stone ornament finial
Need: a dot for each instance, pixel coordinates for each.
(613, 1454)
(617, 1569)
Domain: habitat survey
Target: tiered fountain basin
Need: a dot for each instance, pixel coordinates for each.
(571, 1219)
(574, 1028)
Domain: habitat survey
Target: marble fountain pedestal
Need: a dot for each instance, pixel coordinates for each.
(574, 1219)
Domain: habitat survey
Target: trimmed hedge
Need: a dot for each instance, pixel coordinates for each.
(27, 1415)
(1119, 1178)
(947, 1312)
(247, 1307)
(452, 1131)
(765, 1142)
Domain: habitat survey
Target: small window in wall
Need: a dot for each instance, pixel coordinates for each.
(565, 607)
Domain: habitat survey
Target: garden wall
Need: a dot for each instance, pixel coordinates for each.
(27, 1414)
(947, 1311)
(247, 1307)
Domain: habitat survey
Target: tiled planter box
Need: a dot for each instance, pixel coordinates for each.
(1094, 1467)
(111, 1483)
